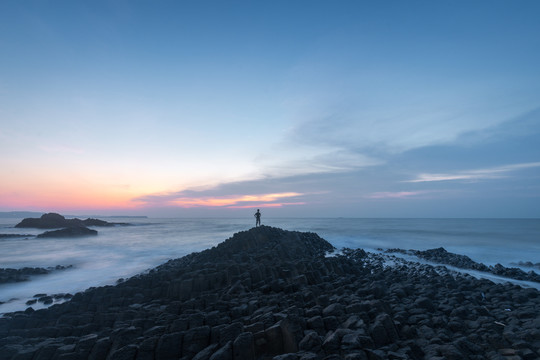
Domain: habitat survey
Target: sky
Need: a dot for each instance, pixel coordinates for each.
(299, 108)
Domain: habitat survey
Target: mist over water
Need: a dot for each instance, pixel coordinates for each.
(123, 251)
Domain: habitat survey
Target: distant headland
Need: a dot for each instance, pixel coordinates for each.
(62, 226)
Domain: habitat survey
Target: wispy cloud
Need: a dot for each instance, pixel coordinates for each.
(475, 175)
(191, 199)
(397, 194)
(288, 161)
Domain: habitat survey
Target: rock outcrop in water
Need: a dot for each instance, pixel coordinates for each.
(72, 231)
(56, 221)
(67, 227)
(267, 293)
(7, 236)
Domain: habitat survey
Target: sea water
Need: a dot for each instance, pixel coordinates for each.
(123, 251)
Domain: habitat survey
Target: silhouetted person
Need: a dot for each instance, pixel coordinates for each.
(257, 218)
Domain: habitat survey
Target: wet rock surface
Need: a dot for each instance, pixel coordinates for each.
(267, 293)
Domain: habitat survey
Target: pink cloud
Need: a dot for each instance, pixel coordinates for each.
(274, 205)
(236, 201)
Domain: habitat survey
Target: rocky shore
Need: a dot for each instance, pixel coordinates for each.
(267, 293)
(441, 256)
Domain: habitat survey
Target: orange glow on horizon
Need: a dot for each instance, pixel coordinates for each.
(89, 198)
(67, 199)
(266, 200)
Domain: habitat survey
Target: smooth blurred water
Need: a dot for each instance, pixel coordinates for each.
(123, 251)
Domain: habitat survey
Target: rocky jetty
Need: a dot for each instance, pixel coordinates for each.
(267, 293)
(441, 256)
(56, 221)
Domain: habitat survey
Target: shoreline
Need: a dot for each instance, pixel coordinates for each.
(459, 264)
(267, 292)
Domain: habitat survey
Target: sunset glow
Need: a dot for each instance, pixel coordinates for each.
(263, 200)
(305, 108)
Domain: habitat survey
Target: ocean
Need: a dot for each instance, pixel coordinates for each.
(123, 251)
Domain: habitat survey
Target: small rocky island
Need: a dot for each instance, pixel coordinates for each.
(268, 293)
(67, 227)
(8, 275)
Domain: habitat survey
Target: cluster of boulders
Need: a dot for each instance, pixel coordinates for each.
(67, 227)
(268, 293)
(8, 275)
(48, 299)
(442, 256)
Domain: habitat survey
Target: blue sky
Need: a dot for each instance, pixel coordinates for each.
(302, 108)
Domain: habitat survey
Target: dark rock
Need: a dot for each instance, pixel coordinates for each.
(100, 349)
(359, 355)
(224, 353)
(332, 342)
(288, 356)
(169, 346)
(195, 340)
(330, 323)
(332, 357)
(46, 221)
(127, 352)
(311, 342)
(292, 329)
(316, 323)
(424, 303)
(206, 353)
(8, 275)
(6, 236)
(46, 300)
(356, 340)
(56, 221)
(243, 348)
(230, 332)
(450, 352)
(309, 356)
(86, 343)
(147, 348)
(68, 232)
(383, 330)
(274, 340)
(335, 309)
